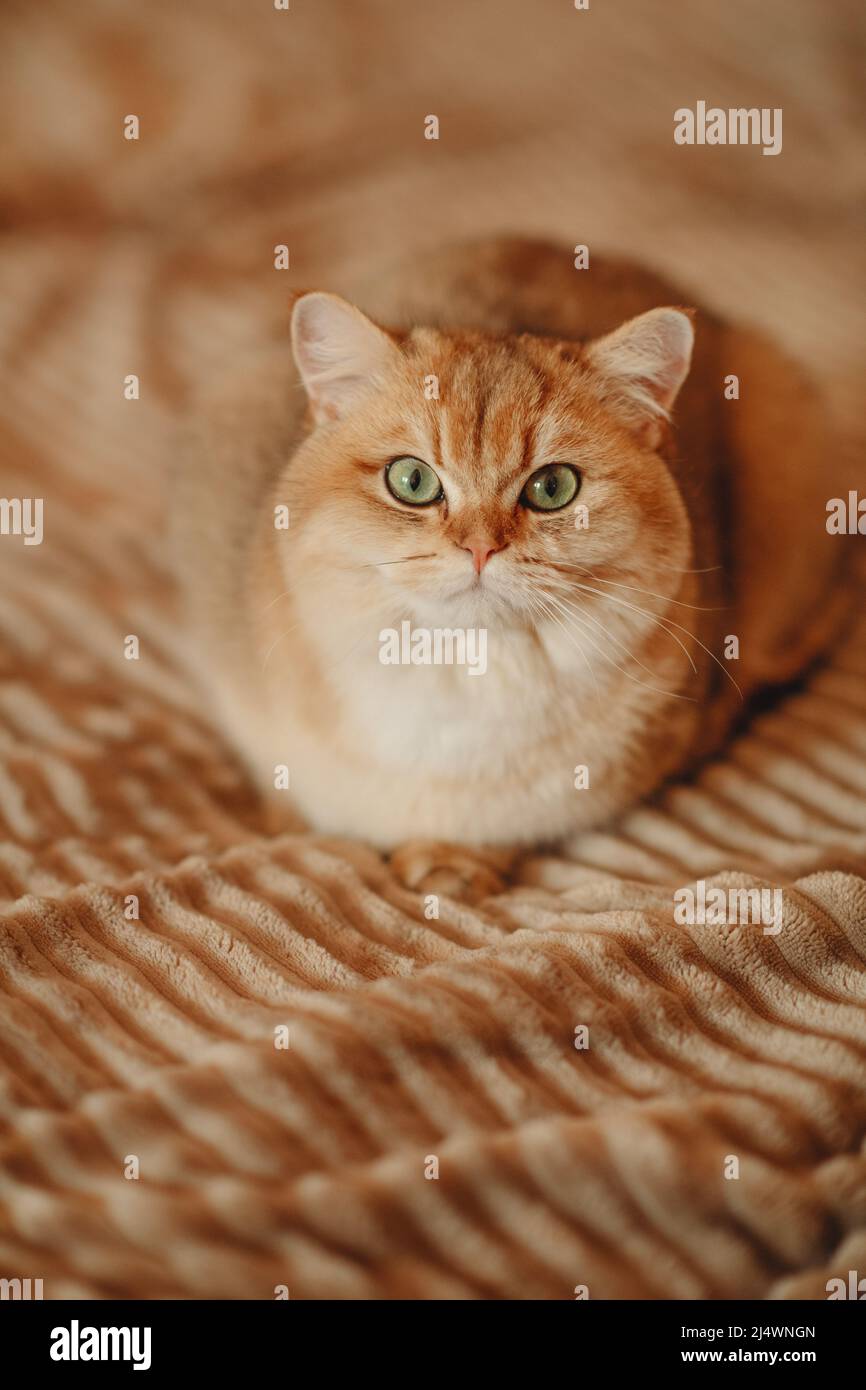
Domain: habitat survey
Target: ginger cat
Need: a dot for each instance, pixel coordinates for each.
(514, 447)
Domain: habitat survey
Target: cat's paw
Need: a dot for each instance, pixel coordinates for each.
(469, 875)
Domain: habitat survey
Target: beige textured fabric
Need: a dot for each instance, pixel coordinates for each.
(409, 1038)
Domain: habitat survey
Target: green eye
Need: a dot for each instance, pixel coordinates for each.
(412, 481)
(551, 488)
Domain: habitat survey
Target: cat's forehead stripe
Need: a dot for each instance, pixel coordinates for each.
(480, 414)
(490, 409)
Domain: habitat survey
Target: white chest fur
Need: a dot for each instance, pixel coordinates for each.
(511, 753)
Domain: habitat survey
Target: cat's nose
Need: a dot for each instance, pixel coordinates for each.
(480, 550)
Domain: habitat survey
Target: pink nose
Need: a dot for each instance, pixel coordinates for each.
(480, 550)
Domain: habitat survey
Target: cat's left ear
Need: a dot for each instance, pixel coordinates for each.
(339, 352)
(641, 367)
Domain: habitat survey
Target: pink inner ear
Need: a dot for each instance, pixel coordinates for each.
(337, 350)
(321, 337)
(646, 360)
(674, 347)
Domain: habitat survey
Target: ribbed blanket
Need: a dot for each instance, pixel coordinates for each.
(233, 1064)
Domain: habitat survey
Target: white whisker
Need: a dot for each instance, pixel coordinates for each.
(539, 604)
(374, 564)
(667, 624)
(670, 694)
(276, 642)
(554, 618)
(648, 593)
(285, 594)
(589, 618)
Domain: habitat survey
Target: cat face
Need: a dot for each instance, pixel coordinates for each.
(461, 479)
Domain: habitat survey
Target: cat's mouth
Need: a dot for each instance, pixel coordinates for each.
(442, 592)
(474, 600)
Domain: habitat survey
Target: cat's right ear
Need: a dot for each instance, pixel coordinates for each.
(339, 352)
